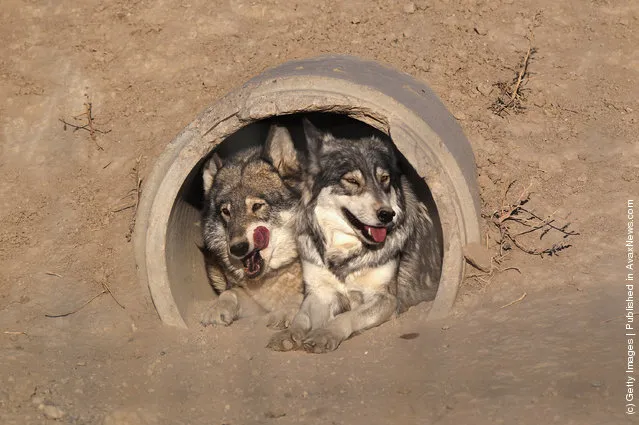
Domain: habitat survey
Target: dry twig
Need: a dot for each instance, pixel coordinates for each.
(135, 192)
(514, 213)
(88, 126)
(515, 302)
(79, 308)
(106, 288)
(512, 94)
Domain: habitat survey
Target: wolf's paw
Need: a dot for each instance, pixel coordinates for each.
(222, 312)
(281, 319)
(321, 341)
(286, 340)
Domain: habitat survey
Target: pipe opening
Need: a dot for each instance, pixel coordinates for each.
(185, 262)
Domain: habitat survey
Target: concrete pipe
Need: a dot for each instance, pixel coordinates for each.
(167, 232)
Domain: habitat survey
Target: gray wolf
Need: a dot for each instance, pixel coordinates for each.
(367, 244)
(248, 221)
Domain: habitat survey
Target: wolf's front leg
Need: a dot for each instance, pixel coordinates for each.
(323, 301)
(316, 311)
(282, 318)
(230, 306)
(373, 312)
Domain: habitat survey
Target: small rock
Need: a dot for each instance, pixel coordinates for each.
(485, 182)
(478, 256)
(274, 414)
(480, 29)
(355, 20)
(422, 64)
(484, 88)
(582, 178)
(52, 412)
(494, 175)
(410, 8)
(460, 116)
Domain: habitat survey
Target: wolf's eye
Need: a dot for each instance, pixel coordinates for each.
(225, 212)
(352, 180)
(384, 178)
(257, 206)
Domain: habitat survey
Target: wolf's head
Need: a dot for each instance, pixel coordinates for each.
(251, 201)
(355, 185)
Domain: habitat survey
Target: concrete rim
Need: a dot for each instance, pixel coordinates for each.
(426, 134)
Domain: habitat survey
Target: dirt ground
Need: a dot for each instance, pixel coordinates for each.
(556, 356)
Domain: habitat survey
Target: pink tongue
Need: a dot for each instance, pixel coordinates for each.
(378, 233)
(261, 237)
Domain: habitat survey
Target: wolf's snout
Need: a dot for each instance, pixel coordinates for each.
(239, 249)
(385, 215)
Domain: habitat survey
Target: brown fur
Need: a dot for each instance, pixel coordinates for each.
(254, 177)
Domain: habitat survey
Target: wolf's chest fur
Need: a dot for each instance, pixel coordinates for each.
(346, 264)
(277, 288)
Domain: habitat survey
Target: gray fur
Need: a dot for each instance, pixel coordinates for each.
(343, 189)
(243, 192)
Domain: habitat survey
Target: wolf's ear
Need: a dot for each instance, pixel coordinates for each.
(280, 151)
(314, 137)
(315, 140)
(211, 167)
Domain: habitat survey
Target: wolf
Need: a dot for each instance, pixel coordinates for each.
(248, 225)
(367, 244)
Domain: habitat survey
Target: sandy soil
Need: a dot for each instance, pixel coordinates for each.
(557, 356)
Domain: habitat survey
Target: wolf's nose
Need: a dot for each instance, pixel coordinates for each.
(239, 249)
(385, 215)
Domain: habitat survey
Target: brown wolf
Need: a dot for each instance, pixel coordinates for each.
(252, 200)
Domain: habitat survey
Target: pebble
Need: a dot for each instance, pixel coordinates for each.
(485, 182)
(484, 88)
(51, 411)
(422, 64)
(410, 8)
(494, 175)
(480, 29)
(460, 116)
